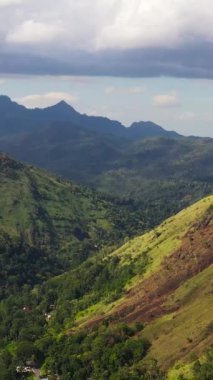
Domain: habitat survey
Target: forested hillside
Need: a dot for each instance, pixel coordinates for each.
(116, 314)
(108, 277)
(49, 225)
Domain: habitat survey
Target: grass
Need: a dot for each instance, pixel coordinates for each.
(163, 240)
(177, 335)
(158, 244)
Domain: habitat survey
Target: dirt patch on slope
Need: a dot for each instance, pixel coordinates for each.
(147, 300)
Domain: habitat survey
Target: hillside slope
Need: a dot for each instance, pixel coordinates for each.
(47, 225)
(161, 279)
(140, 312)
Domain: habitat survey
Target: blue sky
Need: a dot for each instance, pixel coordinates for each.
(184, 105)
(128, 60)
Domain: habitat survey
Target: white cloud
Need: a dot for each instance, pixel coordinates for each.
(166, 100)
(46, 100)
(34, 32)
(155, 23)
(124, 90)
(103, 24)
(5, 3)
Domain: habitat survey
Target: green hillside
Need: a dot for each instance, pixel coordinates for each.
(48, 225)
(79, 304)
(161, 279)
(142, 311)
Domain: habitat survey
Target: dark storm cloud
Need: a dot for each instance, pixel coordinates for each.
(107, 37)
(190, 61)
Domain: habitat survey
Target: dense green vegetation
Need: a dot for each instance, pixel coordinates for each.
(53, 323)
(108, 352)
(77, 267)
(203, 368)
(49, 225)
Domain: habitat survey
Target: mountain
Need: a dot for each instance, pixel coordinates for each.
(47, 224)
(141, 311)
(18, 119)
(95, 285)
(162, 174)
(156, 288)
(161, 163)
(142, 129)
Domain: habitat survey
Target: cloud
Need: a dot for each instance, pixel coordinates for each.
(119, 24)
(5, 3)
(193, 61)
(124, 90)
(107, 37)
(47, 99)
(166, 100)
(33, 32)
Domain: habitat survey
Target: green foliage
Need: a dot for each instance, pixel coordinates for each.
(60, 267)
(49, 225)
(100, 354)
(203, 369)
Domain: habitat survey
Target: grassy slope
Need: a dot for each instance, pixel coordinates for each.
(156, 245)
(186, 327)
(164, 239)
(175, 336)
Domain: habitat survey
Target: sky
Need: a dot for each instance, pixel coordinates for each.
(127, 60)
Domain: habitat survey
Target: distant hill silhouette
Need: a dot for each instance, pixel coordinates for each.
(18, 119)
(143, 161)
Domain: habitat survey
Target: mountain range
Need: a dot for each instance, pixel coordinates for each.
(78, 303)
(128, 162)
(16, 118)
(105, 270)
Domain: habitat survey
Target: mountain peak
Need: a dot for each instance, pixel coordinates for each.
(5, 99)
(64, 105)
(61, 109)
(142, 129)
(145, 124)
(6, 104)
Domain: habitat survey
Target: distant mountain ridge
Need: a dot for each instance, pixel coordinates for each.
(162, 168)
(18, 119)
(143, 129)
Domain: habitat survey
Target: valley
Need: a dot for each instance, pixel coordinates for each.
(107, 276)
